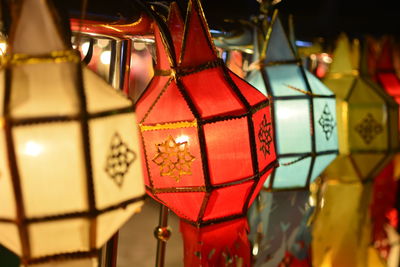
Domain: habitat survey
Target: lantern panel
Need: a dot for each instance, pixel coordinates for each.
(367, 163)
(163, 62)
(255, 78)
(200, 88)
(341, 85)
(292, 124)
(368, 128)
(252, 96)
(264, 136)
(36, 27)
(317, 87)
(364, 93)
(320, 164)
(227, 201)
(286, 80)
(196, 47)
(228, 150)
(181, 110)
(292, 175)
(38, 95)
(184, 204)
(260, 185)
(276, 50)
(99, 96)
(343, 169)
(9, 236)
(50, 156)
(115, 164)
(45, 237)
(7, 211)
(108, 223)
(325, 124)
(173, 157)
(150, 94)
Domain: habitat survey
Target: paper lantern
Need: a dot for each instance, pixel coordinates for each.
(207, 134)
(367, 118)
(303, 109)
(69, 162)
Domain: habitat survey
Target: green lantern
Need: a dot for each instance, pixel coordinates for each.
(303, 109)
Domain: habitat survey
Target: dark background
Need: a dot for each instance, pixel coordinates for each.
(312, 18)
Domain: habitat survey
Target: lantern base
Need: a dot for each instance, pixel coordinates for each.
(221, 244)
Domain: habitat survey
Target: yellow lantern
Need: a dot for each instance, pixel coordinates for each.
(366, 118)
(367, 131)
(70, 172)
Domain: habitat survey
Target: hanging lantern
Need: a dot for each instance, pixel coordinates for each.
(367, 126)
(69, 162)
(207, 134)
(303, 109)
(367, 119)
(386, 183)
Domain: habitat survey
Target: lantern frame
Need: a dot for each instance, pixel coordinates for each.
(83, 116)
(306, 94)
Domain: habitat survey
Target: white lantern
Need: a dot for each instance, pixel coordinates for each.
(70, 172)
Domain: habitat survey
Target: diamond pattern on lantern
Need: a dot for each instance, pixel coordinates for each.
(327, 122)
(173, 158)
(264, 135)
(369, 128)
(119, 159)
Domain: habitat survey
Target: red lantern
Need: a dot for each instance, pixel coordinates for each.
(385, 185)
(207, 134)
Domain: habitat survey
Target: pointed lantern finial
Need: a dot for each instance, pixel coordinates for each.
(35, 31)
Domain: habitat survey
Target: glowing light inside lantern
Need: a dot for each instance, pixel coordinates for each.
(3, 48)
(33, 149)
(85, 47)
(182, 139)
(105, 57)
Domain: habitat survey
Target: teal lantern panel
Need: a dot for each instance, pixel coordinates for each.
(303, 108)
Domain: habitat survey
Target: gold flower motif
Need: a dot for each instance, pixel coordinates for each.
(173, 158)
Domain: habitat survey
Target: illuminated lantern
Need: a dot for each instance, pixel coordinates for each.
(385, 185)
(367, 119)
(69, 157)
(367, 127)
(303, 109)
(207, 135)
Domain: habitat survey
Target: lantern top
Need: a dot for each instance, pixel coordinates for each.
(37, 26)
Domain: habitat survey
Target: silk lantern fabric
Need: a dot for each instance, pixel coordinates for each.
(303, 109)
(70, 160)
(207, 134)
